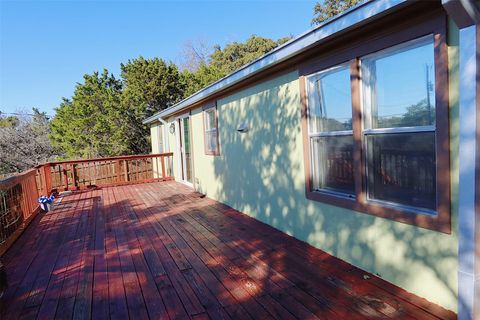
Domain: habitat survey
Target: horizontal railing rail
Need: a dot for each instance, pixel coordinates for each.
(19, 193)
(80, 174)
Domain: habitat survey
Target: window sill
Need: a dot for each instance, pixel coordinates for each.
(215, 154)
(436, 221)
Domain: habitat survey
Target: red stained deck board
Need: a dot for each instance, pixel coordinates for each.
(383, 304)
(271, 258)
(224, 272)
(135, 302)
(153, 301)
(100, 306)
(206, 275)
(297, 272)
(116, 292)
(174, 288)
(160, 251)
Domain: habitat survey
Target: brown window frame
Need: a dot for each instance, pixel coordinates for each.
(436, 25)
(205, 109)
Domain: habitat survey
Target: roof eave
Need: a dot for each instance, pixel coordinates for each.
(350, 19)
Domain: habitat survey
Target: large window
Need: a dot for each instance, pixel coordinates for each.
(211, 131)
(377, 132)
(399, 124)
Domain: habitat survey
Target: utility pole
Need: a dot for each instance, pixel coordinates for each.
(427, 78)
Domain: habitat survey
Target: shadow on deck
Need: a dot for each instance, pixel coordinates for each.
(161, 251)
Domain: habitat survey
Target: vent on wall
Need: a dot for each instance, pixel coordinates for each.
(242, 127)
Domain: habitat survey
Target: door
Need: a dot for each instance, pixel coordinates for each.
(185, 150)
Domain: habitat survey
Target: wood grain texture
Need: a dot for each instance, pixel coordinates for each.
(161, 251)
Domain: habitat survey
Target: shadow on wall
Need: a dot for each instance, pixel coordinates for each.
(261, 173)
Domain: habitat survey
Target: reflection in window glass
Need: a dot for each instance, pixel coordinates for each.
(211, 140)
(399, 86)
(332, 162)
(211, 134)
(401, 169)
(211, 119)
(330, 101)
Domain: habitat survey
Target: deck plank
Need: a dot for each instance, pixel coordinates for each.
(162, 251)
(31, 288)
(53, 292)
(136, 304)
(66, 303)
(174, 287)
(100, 305)
(116, 292)
(153, 301)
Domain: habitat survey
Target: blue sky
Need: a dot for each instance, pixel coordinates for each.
(47, 46)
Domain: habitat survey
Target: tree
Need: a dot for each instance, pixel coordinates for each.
(418, 114)
(150, 85)
(237, 54)
(104, 116)
(24, 143)
(223, 61)
(329, 8)
(87, 125)
(205, 75)
(194, 54)
(10, 121)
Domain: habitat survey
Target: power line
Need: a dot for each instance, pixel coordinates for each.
(21, 114)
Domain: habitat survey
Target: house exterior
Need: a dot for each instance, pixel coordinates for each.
(359, 137)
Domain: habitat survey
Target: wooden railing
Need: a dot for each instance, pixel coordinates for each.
(81, 174)
(18, 205)
(19, 193)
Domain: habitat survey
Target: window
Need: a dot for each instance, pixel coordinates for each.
(399, 124)
(376, 128)
(211, 131)
(330, 131)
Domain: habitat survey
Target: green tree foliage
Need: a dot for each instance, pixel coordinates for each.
(104, 116)
(419, 114)
(6, 122)
(329, 8)
(89, 125)
(24, 142)
(205, 75)
(237, 54)
(150, 85)
(152, 82)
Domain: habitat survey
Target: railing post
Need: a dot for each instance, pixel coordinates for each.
(126, 169)
(74, 176)
(66, 176)
(47, 178)
(118, 168)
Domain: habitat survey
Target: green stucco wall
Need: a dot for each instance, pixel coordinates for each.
(261, 173)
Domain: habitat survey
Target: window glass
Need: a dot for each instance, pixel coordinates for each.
(332, 162)
(399, 88)
(211, 119)
(331, 140)
(402, 169)
(211, 143)
(330, 101)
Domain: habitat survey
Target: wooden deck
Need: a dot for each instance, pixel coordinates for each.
(161, 251)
